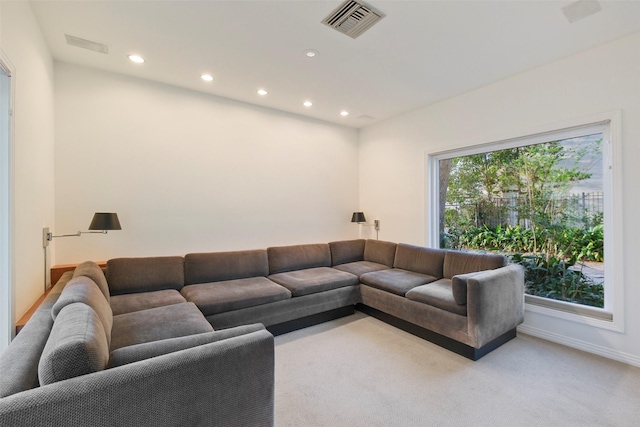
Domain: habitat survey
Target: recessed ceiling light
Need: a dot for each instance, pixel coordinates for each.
(136, 58)
(262, 92)
(307, 103)
(344, 113)
(207, 77)
(311, 53)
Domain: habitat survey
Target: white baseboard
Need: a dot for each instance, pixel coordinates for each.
(620, 356)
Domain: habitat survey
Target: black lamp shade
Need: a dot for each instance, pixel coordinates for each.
(358, 217)
(105, 221)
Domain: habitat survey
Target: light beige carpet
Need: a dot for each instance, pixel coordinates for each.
(359, 371)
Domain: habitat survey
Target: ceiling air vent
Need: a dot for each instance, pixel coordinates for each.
(86, 44)
(353, 18)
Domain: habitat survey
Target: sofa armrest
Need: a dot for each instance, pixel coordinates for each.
(19, 362)
(229, 382)
(495, 303)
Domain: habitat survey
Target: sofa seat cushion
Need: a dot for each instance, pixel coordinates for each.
(396, 280)
(361, 267)
(228, 295)
(437, 294)
(154, 324)
(128, 303)
(313, 280)
(138, 352)
(77, 345)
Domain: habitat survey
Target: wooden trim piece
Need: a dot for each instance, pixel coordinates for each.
(58, 270)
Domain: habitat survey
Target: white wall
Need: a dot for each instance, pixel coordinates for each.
(24, 46)
(190, 172)
(392, 160)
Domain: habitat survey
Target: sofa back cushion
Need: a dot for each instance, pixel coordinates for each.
(456, 262)
(93, 271)
(380, 252)
(77, 345)
(345, 251)
(459, 287)
(420, 259)
(84, 290)
(219, 266)
(298, 257)
(132, 275)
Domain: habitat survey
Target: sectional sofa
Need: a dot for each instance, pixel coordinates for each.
(189, 340)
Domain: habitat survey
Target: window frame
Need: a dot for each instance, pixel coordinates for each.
(7, 278)
(610, 317)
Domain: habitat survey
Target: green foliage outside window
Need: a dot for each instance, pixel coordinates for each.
(516, 201)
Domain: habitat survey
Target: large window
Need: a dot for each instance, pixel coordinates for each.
(545, 201)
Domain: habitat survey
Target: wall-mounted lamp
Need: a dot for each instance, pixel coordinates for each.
(360, 219)
(101, 223)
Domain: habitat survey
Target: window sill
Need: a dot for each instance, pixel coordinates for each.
(573, 312)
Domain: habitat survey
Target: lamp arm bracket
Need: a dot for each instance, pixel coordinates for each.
(375, 225)
(50, 236)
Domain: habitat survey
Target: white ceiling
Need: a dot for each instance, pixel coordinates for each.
(420, 53)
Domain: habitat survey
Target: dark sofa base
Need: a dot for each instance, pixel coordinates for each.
(438, 339)
(314, 319)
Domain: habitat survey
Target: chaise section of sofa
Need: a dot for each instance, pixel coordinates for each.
(450, 292)
(221, 383)
(443, 308)
(86, 366)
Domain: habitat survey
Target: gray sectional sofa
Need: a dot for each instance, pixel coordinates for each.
(189, 340)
